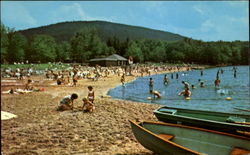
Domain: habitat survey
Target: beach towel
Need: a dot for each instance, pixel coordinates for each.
(6, 115)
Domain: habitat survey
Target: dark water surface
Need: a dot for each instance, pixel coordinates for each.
(208, 98)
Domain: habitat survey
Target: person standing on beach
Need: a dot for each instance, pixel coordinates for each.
(151, 84)
(130, 63)
(74, 80)
(91, 94)
(123, 79)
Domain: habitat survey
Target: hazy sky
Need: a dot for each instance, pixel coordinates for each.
(208, 21)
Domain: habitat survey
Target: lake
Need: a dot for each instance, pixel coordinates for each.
(207, 98)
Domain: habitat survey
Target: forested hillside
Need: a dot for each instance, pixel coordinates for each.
(65, 31)
(88, 43)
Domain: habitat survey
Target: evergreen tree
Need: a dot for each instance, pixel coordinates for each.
(43, 49)
(63, 51)
(15, 48)
(86, 44)
(4, 43)
(135, 51)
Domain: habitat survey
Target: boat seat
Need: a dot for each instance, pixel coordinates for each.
(169, 111)
(239, 151)
(233, 119)
(166, 136)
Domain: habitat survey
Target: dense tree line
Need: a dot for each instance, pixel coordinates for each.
(86, 44)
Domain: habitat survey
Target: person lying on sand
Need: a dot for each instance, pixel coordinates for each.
(87, 105)
(11, 91)
(67, 103)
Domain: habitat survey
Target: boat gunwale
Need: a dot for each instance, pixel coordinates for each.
(199, 119)
(167, 141)
(196, 128)
(204, 111)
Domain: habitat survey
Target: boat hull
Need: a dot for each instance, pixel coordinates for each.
(187, 140)
(209, 120)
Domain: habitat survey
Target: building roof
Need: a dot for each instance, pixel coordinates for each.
(117, 57)
(113, 57)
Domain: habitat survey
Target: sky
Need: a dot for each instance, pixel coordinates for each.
(201, 20)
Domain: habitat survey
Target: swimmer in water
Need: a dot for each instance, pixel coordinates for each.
(193, 87)
(186, 84)
(217, 82)
(155, 93)
(186, 93)
(166, 79)
(151, 84)
(202, 83)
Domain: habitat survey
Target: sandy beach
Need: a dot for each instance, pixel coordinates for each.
(40, 129)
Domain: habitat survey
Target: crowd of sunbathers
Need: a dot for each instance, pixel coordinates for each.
(72, 74)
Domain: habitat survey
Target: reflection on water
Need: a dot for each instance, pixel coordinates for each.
(207, 98)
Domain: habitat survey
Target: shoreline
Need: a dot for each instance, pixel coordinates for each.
(40, 129)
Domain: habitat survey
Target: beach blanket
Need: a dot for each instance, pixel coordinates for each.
(6, 115)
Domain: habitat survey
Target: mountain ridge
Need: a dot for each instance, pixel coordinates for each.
(64, 31)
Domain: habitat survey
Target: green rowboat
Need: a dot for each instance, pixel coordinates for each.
(226, 122)
(175, 139)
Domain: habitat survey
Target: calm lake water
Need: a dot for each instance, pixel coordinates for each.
(208, 98)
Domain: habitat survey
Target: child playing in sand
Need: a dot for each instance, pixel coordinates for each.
(67, 103)
(87, 105)
(91, 94)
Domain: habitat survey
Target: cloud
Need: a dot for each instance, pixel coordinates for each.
(207, 26)
(74, 12)
(198, 9)
(238, 4)
(16, 14)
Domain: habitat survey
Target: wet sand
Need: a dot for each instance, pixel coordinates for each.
(40, 129)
